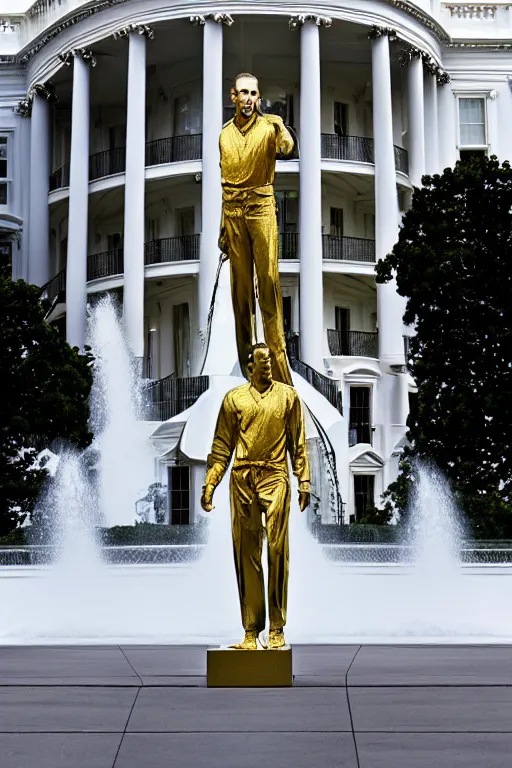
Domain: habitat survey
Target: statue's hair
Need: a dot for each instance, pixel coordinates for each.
(243, 74)
(259, 345)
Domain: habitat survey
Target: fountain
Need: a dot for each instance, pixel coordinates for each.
(80, 598)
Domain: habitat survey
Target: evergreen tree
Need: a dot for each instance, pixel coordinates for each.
(453, 262)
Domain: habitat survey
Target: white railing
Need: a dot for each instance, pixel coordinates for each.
(471, 11)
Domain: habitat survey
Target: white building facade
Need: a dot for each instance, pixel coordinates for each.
(110, 114)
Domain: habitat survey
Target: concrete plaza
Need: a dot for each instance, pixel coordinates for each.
(351, 706)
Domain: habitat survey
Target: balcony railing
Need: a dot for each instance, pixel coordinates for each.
(184, 248)
(288, 245)
(337, 248)
(327, 387)
(54, 287)
(358, 149)
(353, 343)
(59, 178)
(167, 397)
(107, 163)
(174, 150)
(105, 264)
(401, 160)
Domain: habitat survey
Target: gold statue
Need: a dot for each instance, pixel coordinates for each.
(261, 422)
(249, 144)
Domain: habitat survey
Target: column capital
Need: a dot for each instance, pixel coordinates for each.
(296, 22)
(23, 108)
(376, 32)
(408, 54)
(45, 91)
(136, 29)
(219, 18)
(85, 54)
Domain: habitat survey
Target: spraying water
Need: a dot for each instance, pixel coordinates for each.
(125, 461)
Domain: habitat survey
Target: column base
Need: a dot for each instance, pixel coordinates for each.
(229, 668)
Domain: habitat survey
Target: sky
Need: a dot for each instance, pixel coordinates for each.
(14, 6)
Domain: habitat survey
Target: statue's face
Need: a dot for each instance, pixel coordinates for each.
(261, 369)
(246, 96)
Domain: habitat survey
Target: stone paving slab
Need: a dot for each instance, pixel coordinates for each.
(242, 709)
(58, 750)
(432, 709)
(434, 750)
(45, 709)
(236, 750)
(432, 665)
(65, 666)
(171, 661)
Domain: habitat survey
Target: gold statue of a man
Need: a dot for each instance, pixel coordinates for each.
(249, 144)
(261, 422)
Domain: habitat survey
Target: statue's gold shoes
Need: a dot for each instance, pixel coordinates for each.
(276, 639)
(248, 643)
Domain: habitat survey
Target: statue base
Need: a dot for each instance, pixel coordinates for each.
(229, 668)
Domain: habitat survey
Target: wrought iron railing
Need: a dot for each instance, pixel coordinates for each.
(105, 264)
(358, 149)
(337, 248)
(53, 287)
(288, 245)
(106, 163)
(401, 160)
(353, 343)
(59, 178)
(184, 248)
(327, 387)
(167, 397)
(174, 149)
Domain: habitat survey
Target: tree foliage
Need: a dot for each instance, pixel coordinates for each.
(453, 262)
(45, 391)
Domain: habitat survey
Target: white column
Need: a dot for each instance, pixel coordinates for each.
(416, 120)
(211, 186)
(76, 265)
(431, 125)
(133, 294)
(447, 127)
(39, 212)
(311, 321)
(221, 357)
(390, 305)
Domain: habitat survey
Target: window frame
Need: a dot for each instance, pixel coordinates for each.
(480, 96)
(8, 179)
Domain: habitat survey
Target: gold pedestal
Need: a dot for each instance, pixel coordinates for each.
(228, 668)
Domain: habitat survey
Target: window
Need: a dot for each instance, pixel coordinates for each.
(5, 258)
(3, 170)
(336, 223)
(187, 118)
(288, 218)
(359, 430)
(364, 490)
(340, 119)
(472, 126)
(287, 314)
(181, 328)
(179, 495)
(342, 325)
(115, 241)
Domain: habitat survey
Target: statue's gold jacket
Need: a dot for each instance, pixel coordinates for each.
(260, 428)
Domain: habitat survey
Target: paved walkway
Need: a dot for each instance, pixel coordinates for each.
(351, 707)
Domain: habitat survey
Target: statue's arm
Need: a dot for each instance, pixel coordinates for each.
(224, 441)
(284, 139)
(296, 441)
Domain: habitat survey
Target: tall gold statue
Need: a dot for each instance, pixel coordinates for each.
(249, 144)
(261, 422)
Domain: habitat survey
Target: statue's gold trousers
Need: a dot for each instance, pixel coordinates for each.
(250, 228)
(254, 491)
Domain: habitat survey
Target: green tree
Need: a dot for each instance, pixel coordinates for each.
(453, 262)
(45, 391)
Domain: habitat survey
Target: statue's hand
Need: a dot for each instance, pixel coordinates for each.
(206, 498)
(275, 120)
(304, 495)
